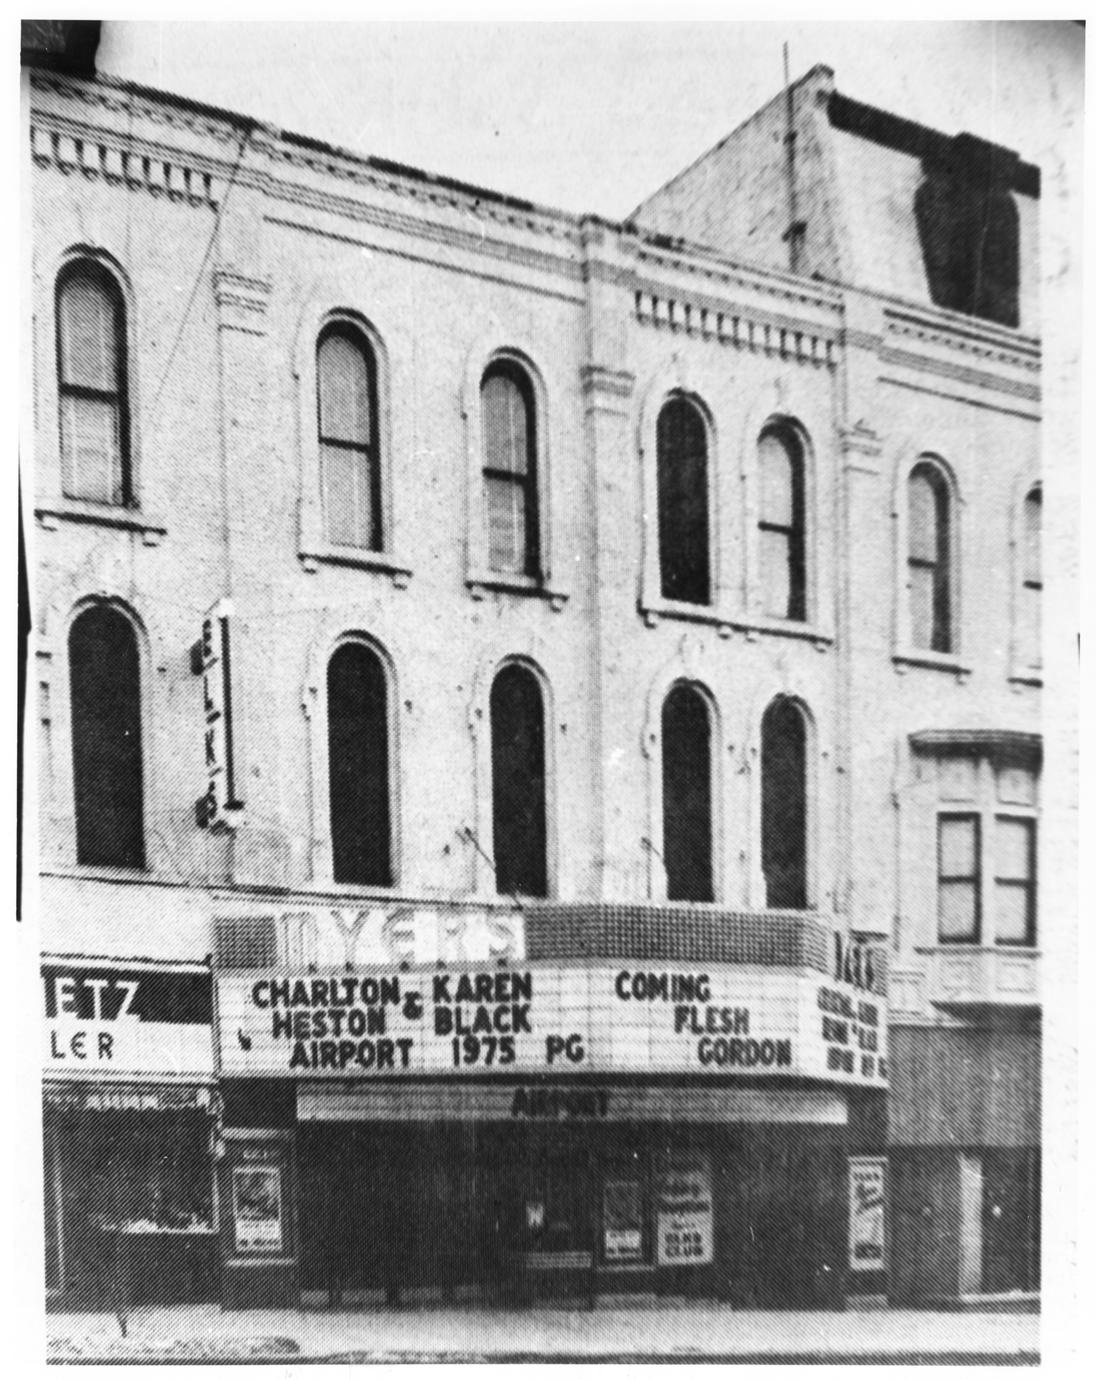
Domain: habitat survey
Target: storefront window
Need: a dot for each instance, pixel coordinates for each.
(553, 1218)
(624, 1237)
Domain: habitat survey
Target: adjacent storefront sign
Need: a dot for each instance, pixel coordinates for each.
(219, 808)
(622, 1222)
(105, 1020)
(711, 1021)
(684, 1233)
(867, 1213)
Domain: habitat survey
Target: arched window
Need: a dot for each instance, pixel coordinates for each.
(782, 523)
(930, 559)
(518, 784)
(1031, 589)
(107, 768)
(687, 795)
(784, 805)
(91, 386)
(346, 378)
(357, 719)
(510, 470)
(683, 535)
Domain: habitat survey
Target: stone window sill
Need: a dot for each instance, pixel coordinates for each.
(480, 581)
(50, 515)
(726, 623)
(383, 562)
(930, 661)
(654, 610)
(1027, 675)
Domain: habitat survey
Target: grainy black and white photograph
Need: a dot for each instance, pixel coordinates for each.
(548, 689)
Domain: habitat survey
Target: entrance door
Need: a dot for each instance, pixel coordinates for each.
(1010, 1221)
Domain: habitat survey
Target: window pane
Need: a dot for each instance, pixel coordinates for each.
(687, 796)
(505, 425)
(505, 525)
(344, 391)
(1029, 632)
(776, 582)
(1011, 914)
(1014, 838)
(959, 911)
(923, 517)
(1033, 527)
(777, 502)
(88, 331)
(922, 605)
(347, 498)
(958, 848)
(91, 453)
(357, 713)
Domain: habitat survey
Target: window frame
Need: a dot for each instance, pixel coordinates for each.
(664, 464)
(506, 367)
(343, 329)
(526, 669)
(550, 583)
(942, 629)
(795, 534)
(809, 858)
(973, 817)
(691, 688)
(1030, 885)
(905, 653)
(390, 769)
(1023, 669)
(327, 307)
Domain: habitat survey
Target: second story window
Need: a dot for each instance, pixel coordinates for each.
(510, 470)
(959, 878)
(347, 417)
(91, 368)
(929, 559)
(357, 717)
(687, 795)
(518, 783)
(782, 523)
(784, 805)
(683, 529)
(107, 767)
(1014, 880)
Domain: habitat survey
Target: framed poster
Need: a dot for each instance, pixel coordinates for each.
(622, 1222)
(257, 1209)
(684, 1211)
(867, 1213)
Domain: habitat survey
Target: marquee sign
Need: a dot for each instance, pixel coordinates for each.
(105, 1020)
(537, 1018)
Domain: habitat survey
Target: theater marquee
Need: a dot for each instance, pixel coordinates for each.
(534, 1018)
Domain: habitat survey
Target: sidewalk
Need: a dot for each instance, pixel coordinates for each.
(204, 1333)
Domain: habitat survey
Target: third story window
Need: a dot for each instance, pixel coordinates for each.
(1031, 589)
(683, 531)
(929, 559)
(91, 368)
(782, 523)
(347, 417)
(510, 470)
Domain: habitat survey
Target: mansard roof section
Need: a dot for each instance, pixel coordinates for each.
(830, 188)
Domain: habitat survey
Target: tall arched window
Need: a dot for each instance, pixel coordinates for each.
(1031, 590)
(107, 767)
(357, 719)
(687, 795)
(782, 524)
(930, 559)
(518, 783)
(91, 386)
(346, 378)
(683, 534)
(510, 470)
(784, 805)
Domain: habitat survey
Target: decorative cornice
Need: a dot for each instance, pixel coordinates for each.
(970, 338)
(94, 158)
(960, 373)
(755, 331)
(695, 259)
(128, 103)
(994, 741)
